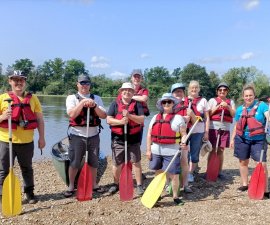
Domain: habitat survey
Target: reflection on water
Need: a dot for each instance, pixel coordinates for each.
(56, 124)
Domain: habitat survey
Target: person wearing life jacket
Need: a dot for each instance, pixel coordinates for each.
(26, 115)
(183, 109)
(220, 126)
(122, 112)
(77, 106)
(166, 132)
(248, 142)
(200, 108)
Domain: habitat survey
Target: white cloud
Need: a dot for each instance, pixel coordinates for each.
(99, 62)
(144, 56)
(118, 75)
(251, 4)
(247, 55)
(209, 60)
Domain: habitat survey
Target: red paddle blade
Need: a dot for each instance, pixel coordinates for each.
(85, 186)
(126, 183)
(257, 183)
(213, 167)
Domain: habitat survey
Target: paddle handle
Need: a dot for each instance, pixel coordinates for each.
(218, 137)
(87, 133)
(261, 156)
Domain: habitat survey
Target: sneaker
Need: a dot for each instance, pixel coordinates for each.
(188, 190)
(113, 189)
(190, 177)
(266, 195)
(178, 201)
(30, 198)
(139, 190)
(242, 188)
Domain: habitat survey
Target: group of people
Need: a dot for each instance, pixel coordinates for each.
(183, 121)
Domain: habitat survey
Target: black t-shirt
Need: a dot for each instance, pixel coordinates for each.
(132, 139)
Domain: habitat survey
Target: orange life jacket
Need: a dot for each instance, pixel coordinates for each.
(132, 128)
(217, 115)
(22, 114)
(162, 132)
(247, 119)
(144, 104)
(81, 119)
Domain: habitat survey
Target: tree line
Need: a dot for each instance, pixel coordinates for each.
(58, 77)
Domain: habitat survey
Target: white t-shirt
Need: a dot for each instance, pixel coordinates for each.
(71, 102)
(202, 106)
(167, 149)
(217, 124)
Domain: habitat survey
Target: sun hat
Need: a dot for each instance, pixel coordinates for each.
(84, 77)
(206, 147)
(127, 85)
(177, 86)
(166, 96)
(136, 71)
(222, 84)
(18, 73)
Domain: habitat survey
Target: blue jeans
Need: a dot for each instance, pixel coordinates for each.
(195, 142)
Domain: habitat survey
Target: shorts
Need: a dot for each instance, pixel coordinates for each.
(161, 162)
(224, 140)
(244, 149)
(118, 153)
(195, 142)
(77, 149)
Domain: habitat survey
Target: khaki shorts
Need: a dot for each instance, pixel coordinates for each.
(77, 149)
(118, 153)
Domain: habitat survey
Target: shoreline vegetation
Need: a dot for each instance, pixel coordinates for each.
(211, 203)
(58, 77)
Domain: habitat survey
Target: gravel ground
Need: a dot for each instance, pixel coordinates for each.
(211, 203)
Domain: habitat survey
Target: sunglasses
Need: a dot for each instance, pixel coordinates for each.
(168, 101)
(84, 83)
(18, 79)
(222, 89)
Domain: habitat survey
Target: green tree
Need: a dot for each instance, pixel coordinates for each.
(25, 65)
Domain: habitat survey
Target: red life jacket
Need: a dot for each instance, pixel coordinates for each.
(144, 104)
(247, 119)
(162, 132)
(181, 107)
(22, 114)
(81, 119)
(132, 128)
(217, 115)
(194, 106)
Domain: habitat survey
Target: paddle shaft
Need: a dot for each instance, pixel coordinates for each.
(87, 133)
(10, 134)
(267, 119)
(125, 137)
(187, 137)
(218, 137)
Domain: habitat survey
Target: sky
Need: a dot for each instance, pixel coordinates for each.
(113, 37)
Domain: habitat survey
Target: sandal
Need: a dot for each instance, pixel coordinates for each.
(99, 190)
(178, 201)
(69, 194)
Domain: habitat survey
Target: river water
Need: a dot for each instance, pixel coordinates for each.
(56, 125)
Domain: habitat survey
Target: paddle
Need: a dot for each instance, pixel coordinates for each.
(11, 193)
(126, 180)
(257, 181)
(213, 165)
(156, 186)
(85, 185)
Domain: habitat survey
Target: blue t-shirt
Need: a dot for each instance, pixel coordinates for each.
(259, 115)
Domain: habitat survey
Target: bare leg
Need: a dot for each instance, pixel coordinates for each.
(175, 184)
(244, 171)
(116, 173)
(221, 158)
(94, 177)
(72, 172)
(184, 167)
(138, 172)
(266, 177)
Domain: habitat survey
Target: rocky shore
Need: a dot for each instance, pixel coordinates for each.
(211, 203)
